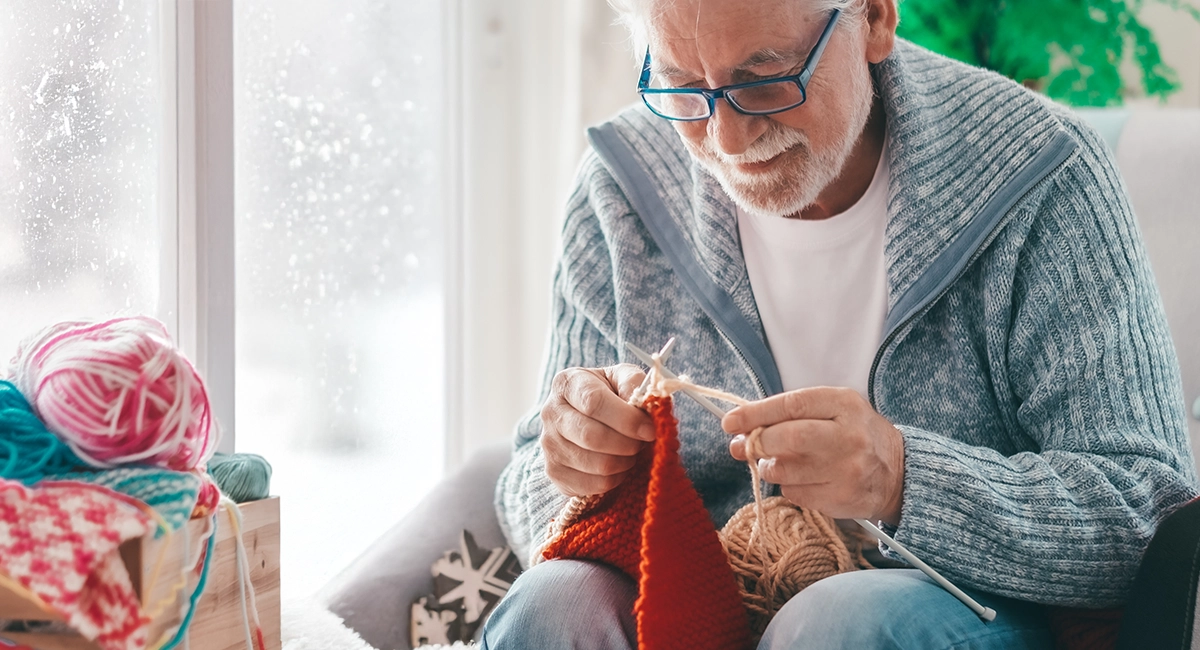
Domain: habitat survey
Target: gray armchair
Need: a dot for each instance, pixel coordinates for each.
(1158, 152)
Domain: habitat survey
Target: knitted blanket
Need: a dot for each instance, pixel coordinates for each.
(171, 494)
(59, 541)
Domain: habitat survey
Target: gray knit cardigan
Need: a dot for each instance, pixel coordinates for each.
(1025, 358)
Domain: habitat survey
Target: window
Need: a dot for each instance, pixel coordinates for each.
(338, 226)
(339, 265)
(80, 136)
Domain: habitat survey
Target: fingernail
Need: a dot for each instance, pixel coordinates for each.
(739, 439)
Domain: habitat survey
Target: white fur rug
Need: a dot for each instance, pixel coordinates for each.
(307, 625)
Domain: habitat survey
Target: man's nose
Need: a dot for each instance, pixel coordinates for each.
(733, 132)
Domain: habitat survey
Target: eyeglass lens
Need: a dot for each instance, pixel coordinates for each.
(686, 106)
(765, 98)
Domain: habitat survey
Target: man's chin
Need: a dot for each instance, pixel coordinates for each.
(765, 198)
(772, 209)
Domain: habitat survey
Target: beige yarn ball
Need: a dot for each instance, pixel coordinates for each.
(793, 549)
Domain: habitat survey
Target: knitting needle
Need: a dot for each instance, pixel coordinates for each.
(649, 361)
(663, 355)
(985, 613)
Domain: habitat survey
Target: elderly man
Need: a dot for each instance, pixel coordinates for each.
(929, 278)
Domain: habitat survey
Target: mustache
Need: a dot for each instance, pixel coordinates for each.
(776, 140)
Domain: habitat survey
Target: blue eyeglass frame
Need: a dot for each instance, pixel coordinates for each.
(711, 95)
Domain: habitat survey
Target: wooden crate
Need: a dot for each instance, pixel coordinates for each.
(217, 623)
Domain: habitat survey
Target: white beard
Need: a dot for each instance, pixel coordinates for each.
(794, 183)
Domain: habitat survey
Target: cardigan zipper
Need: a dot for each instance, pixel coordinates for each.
(759, 385)
(1054, 158)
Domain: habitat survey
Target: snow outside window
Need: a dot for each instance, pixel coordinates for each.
(79, 152)
(339, 230)
(340, 253)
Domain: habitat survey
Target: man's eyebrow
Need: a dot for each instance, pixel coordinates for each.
(761, 57)
(768, 55)
(663, 70)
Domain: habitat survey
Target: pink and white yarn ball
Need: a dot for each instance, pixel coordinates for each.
(118, 392)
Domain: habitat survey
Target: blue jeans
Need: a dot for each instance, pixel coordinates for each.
(577, 605)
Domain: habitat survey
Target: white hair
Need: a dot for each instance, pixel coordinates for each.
(639, 15)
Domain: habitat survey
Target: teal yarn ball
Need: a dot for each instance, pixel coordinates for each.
(28, 451)
(241, 477)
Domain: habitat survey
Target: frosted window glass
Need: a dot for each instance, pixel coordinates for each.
(80, 97)
(339, 262)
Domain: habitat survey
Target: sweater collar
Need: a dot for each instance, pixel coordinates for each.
(957, 138)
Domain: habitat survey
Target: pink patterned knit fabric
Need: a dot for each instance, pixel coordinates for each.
(59, 540)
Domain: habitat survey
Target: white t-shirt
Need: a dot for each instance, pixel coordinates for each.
(821, 289)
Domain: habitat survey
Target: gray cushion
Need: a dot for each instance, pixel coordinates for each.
(374, 594)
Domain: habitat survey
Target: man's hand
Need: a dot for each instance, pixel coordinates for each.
(590, 433)
(828, 450)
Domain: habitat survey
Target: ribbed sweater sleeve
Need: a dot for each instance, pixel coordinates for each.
(1095, 381)
(582, 334)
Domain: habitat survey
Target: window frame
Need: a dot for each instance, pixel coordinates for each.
(518, 156)
(197, 186)
(454, 443)
(500, 219)
(197, 210)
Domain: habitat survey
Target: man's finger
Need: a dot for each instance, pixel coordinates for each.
(596, 400)
(798, 437)
(790, 439)
(737, 447)
(561, 451)
(822, 403)
(574, 483)
(801, 471)
(625, 378)
(595, 436)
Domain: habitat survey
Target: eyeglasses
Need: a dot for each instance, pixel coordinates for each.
(763, 97)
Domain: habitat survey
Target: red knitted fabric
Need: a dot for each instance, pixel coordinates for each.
(655, 528)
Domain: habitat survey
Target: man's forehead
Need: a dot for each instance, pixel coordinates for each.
(757, 58)
(730, 34)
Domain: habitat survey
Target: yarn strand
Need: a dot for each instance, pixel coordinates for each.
(245, 586)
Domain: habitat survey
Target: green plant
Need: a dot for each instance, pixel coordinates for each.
(1072, 50)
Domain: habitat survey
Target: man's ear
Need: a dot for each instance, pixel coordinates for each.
(882, 18)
